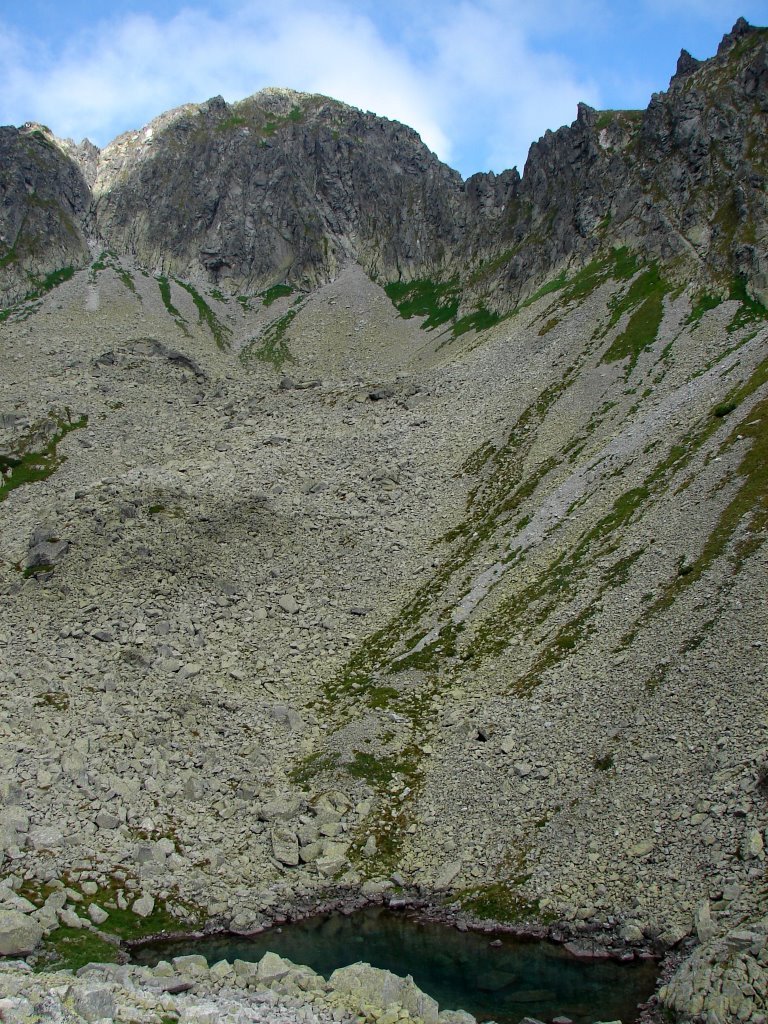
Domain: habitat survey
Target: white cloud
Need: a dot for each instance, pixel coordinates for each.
(500, 87)
(463, 74)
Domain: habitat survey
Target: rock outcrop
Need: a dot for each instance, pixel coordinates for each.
(45, 211)
(192, 992)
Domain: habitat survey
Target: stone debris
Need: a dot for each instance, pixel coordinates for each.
(272, 991)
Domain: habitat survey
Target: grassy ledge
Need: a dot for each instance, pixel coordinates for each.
(165, 293)
(271, 346)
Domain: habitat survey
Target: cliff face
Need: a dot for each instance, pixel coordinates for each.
(286, 187)
(44, 210)
(281, 187)
(683, 181)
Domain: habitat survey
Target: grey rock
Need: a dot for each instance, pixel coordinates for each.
(97, 914)
(447, 874)
(94, 1002)
(192, 963)
(19, 934)
(272, 968)
(105, 819)
(70, 919)
(46, 554)
(456, 1017)
(281, 808)
(143, 906)
(45, 837)
(16, 1010)
(705, 928)
(46, 197)
(383, 989)
(285, 846)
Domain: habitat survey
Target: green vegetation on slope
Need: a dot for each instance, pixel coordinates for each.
(277, 291)
(109, 260)
(72, 948)
(644, 300)
(39, 287)
(221, 333)
(748, 507)
(271, 346)
(437, 301)
(30, 461)
(165, 293)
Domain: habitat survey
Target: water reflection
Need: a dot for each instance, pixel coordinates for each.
(462, 970)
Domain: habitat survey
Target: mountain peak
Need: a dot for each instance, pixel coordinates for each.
(740, 29)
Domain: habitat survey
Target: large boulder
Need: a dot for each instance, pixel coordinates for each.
(382, 989)
(725, 979)
(19, 934)
(94, 1002)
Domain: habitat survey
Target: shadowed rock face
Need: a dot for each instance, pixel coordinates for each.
(683, 180)
(285, 187)
(288, 187)
(44, 210)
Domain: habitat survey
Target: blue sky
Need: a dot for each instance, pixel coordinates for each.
(478, 79)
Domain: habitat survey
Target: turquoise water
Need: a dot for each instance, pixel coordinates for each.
(461, 970)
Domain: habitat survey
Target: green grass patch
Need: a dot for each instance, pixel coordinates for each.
(69, 949)
(751, 311)
(378, 771)
(165, 293)
(221, 333)
(72, 948)
(604, 763)
(480, 320)
(624, 117)
(382, 696)
(619, 265)
(312, 765)
(724, 409)
(272, 347)
(228, 123)
(39, 287)
(53, 280)
(499, 901)
(30, 462)
(645, 297)
(555, 285)
(527, 611)
(749, 505)
(703, 303)
(109, 260)
(437, 301)
(277, 291)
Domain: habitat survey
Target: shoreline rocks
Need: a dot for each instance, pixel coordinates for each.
(193, 991)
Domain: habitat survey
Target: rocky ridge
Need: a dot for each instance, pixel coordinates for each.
(285, 187)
